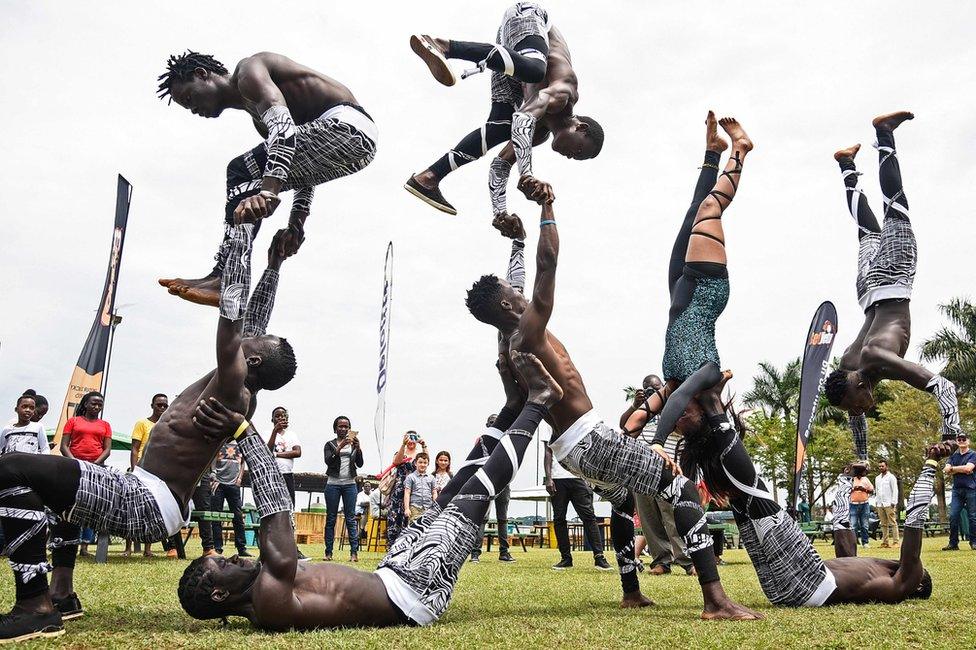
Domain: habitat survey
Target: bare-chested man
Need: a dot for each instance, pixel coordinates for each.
(314, 131)
(149, 504)
(533, 94)
(790, 571)
(581, 441)
(886, 262)
(414, 583)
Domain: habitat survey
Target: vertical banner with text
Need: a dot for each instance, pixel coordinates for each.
(379, 420)
(89, 370)
(816, 360)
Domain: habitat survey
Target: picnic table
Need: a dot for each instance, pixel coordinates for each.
(492, 533)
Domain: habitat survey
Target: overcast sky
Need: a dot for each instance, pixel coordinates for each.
(805, 79)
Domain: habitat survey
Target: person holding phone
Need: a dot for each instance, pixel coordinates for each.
(343, 456)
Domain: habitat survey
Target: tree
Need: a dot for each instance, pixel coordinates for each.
(956, 344)
(774, 391)
(772, 447)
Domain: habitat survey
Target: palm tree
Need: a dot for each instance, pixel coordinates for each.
(956, 344)
(776, 392)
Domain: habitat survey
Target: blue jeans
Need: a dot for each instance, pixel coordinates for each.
(859, 520)
(348, 494)
(962, 498)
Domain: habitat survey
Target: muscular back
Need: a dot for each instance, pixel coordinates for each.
(177, 453)
(558, 92)
(307, 93)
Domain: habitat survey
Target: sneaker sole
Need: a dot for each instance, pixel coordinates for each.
(436, 63)
(431, 202)
(72, 615)
(600, 568)
(40, 634)
(561, 568)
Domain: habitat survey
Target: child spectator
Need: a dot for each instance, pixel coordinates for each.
(418, 489)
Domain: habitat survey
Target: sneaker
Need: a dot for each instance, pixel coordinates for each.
(302, 557)
(244, 553)
(565, 563)
(475, 558)
(69, 606)
(431, 197)
(950, 547)
(505, 556)
(601, 563)
(19, 625)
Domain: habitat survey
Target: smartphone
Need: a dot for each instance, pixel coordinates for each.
(413, 436)
(352, 435)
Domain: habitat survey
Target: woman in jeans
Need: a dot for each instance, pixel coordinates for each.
(342, 456)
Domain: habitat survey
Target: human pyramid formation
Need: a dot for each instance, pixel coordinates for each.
(316, 132)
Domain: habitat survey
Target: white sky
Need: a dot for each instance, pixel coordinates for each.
(805, 79)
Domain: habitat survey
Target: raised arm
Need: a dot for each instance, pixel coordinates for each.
(234, 286)
(536, 317)
(261, 304)
(706, 377)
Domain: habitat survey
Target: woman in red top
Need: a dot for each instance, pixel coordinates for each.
(86, 437)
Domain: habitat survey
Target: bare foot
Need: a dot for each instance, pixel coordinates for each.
(203, 291)
(850, 152)
(542, 388)
(731, 611)
(740, 141)
(635, 599)
(891, 121)
(713, 141)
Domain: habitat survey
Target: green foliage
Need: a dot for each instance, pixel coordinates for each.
(956, 344)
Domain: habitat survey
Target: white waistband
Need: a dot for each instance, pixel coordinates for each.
(355, 118)
(405, 598)
(889, 292)
(823, 592)
(169, 508)
(571, 436)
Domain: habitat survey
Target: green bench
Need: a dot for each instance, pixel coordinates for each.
(491, 533)
(225, 517)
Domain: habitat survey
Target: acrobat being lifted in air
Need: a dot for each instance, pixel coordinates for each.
(533, 94)
(314, 131)
(886, 263)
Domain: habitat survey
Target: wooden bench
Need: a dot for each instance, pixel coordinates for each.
(491, 533)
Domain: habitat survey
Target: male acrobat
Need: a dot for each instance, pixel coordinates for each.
(790, 571)
(149, 504)
(581, 442)
(533, 93)
(315, 132)
(414, 583)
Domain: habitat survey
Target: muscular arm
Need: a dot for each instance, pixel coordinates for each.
(702, 379)
(536, 316)
(258, 88)
(885, 364)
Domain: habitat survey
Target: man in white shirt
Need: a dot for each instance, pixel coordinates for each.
(886, 502)
(284, 444)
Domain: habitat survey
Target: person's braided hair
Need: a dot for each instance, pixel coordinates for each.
(180, 67)
(196, 585)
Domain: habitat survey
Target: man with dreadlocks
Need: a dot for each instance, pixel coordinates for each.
(581, 441)
(885, 274)
(414, 582)
(149, 504)
(533, 93)
(314, 132)
(886, 265)
(790, 571)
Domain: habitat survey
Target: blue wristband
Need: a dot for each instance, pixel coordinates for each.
(546, 223)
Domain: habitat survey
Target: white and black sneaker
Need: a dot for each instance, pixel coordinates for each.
(565, 563)
(69, 606)
(20, 625)
(601, 563)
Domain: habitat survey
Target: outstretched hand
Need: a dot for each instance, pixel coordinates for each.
(509, 225)
(515, 394)
(254, 208)
(215, 421)
(291, 240)
(536, 190)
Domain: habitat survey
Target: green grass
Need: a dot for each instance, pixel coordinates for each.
(131, 603)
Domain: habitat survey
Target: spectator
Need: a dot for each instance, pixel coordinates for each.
(286, 447)
(886, 503)
(860, 508)
(960, 467)
(228, 469)
(563, 489)
(342, 457)
(803, 508)
(377, 504)
(40, 408)
(662, 540)
(442, 471)
(362, 500)
(401, 467)
(140, 438)
(25, 434)
(85, 437)
(418, 489)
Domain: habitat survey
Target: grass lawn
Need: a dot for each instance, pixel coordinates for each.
(131, 603)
